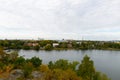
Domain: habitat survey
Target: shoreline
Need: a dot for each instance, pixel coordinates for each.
(63, 49)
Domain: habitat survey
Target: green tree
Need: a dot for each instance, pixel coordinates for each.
(27, 69)
(2, 54)
(36, 61)
(37, 47)
(25, 47)
(86, 69)
(48, 47)
(51, 65)
(63, 45)
(45, 42)
(100, 76)
(61, 64)
(73, 65)
(13, 56)
(59, 74)
(19, 62)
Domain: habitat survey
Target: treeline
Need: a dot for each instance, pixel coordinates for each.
(13, 67)
(58, 45)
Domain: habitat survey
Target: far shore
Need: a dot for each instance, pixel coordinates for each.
(63, 49)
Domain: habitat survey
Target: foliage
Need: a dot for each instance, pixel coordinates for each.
(26, 47)
(74, 44)
(58, 70)
(27, 69)
(44, 68)
(86, 68)
(100, 76)
(63, 64)
(63, 45)
(19, 62)
(37, 47)
(36, 61)
(13, 56)
(48, 47)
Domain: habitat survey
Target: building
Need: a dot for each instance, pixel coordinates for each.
(55, 44)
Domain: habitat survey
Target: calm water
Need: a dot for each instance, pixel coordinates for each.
(105, 61)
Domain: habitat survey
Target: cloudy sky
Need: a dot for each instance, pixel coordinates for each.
(58, 19)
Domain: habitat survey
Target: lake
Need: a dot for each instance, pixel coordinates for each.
(105, 61)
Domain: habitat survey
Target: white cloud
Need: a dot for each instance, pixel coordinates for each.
(46, 18)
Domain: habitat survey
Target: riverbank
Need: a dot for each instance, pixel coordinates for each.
(61, 49)
(59, 45)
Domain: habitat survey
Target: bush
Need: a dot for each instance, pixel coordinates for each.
(36, 61)
(27, 69)
(20, 61)
(48, 47)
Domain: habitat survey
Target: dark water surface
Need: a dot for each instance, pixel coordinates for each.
(105, 61)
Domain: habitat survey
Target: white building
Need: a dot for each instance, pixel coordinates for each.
(55, 44)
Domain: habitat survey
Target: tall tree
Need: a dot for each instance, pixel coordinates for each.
(86, 69)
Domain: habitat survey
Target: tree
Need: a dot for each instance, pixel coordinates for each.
(45, 42)
(36, 61)
(59, 74)
(48, 47)
(13, 56)
(63, 45)
(51, 65)
(26, 47)
(27, 69)
(37, 47)
(61, 64)
(86, 69)
(2, 53)
(3, 57)
(73, 65)
(100, 76)
(44, 68)
(19, 62)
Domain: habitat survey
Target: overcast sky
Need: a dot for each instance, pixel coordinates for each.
(58, 19)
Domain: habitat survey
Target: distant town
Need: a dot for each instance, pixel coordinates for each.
(63, 44)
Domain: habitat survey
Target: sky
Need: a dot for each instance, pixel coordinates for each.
(60, 19)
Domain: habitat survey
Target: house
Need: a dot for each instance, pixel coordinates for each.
(35, 44)
(55, 44)
(31, 44)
